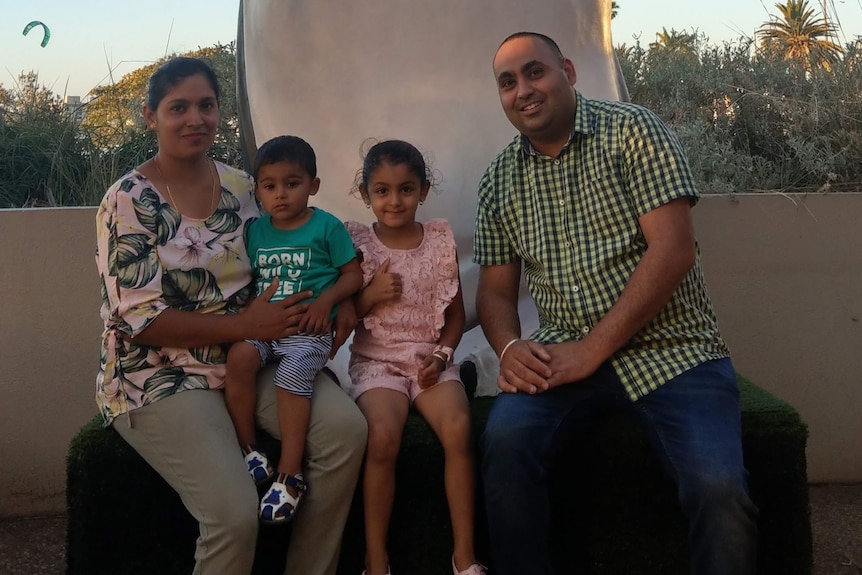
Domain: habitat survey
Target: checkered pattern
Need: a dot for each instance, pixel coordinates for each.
(573, 222)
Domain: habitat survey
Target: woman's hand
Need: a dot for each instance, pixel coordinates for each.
(430, 371)
(343, 325)
(267, 320)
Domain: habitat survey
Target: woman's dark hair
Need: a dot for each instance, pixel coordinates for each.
(286, 149)
(172, 72)
(393, 152)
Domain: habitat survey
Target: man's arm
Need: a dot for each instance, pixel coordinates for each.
(523, 367)
(670, 254)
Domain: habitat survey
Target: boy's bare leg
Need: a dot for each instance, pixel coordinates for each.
(334, 447)
(293, 414)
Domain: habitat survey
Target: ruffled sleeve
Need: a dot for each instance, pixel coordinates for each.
(443, 240)
(131, 223)
(362, 241)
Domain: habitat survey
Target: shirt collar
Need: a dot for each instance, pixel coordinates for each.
(583, 124)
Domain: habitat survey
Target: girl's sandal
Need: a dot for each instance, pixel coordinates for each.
(278, 505)
(474, 569)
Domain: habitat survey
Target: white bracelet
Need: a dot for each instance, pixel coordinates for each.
(445, 353)
(506, 348)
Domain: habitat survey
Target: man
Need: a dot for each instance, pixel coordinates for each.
(594, 199)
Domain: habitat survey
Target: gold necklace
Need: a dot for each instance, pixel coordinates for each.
(168, 186)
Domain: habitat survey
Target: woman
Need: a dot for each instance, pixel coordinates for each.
(175, 279)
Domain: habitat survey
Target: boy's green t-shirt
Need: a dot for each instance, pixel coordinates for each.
(307, 258)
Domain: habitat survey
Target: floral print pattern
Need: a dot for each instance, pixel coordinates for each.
(151, 258)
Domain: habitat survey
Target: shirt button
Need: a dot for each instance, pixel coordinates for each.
(556, 162)
(576, 289)
(585, 329)
(568, 245)
(562, 202)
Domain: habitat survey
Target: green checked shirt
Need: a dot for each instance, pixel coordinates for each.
(573, 222)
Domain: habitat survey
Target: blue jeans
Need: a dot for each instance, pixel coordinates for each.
(693, 424)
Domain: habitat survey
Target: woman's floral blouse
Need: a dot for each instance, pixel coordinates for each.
(150, 258)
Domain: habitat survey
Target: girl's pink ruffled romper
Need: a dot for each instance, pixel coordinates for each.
(391, 342)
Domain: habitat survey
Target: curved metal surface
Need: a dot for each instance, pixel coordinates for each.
(337, 73)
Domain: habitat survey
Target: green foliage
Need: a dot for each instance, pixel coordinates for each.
(800, 36)
(750, 121)
(675, 41)
(755, 123)
(114, 113)
(42, 159)
(51, 155)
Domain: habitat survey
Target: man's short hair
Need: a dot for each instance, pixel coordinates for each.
(546, 39)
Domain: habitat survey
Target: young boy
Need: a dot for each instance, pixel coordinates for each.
(302, 248)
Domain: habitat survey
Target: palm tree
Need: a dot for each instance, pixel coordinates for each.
(674, 41)
(801, 35)
(615, 8)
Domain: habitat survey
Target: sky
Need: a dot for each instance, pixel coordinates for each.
(95, 40)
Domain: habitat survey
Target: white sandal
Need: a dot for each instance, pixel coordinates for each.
(474, 569)
(278, 505)
(258, 466)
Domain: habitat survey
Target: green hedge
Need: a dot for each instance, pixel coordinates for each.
(603, 523)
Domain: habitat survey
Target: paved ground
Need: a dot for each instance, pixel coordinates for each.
(35, 546)
(836, 523)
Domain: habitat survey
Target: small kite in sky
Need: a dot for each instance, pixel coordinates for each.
(35, 23)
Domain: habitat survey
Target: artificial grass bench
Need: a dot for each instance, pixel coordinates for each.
(603, 523)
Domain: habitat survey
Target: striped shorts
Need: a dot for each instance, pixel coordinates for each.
(300, 358)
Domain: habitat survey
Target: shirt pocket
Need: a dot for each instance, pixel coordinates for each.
(606, 208)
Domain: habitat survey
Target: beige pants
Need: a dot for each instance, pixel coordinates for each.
(189, 440)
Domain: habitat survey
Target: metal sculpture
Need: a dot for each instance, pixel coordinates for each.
(337, 73)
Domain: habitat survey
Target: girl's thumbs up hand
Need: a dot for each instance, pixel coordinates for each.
(385, 285)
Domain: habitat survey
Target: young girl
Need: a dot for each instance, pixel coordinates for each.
(412, 315)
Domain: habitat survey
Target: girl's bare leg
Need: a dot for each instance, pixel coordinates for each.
(386, 411)
(446, 410)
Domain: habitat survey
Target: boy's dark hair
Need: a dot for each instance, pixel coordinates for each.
(394, 152)
(172, 72)
(546, 39)
(286, 149)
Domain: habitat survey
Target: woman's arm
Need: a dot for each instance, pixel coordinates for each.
(343, 325)
(262, 319)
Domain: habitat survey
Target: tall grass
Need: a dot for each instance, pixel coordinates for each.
(47, 158)
(51, 155)
(747, 123)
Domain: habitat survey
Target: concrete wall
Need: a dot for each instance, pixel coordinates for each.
(784, 273)
(49, 350)
(785, 276)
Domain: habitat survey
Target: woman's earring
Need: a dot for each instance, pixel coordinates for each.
(367, 206)
(421, 202)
